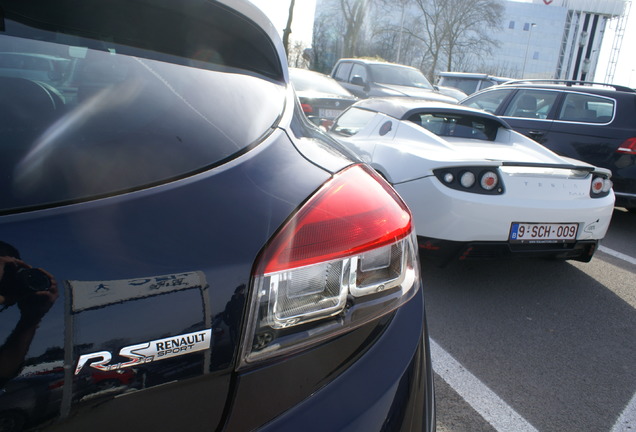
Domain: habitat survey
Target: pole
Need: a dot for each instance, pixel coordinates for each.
(525, 57)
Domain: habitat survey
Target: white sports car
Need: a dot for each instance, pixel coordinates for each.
(477, 188)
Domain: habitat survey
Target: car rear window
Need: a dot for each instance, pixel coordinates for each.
(467, 85)
(352, 121)
(458, 125)
(95, 105)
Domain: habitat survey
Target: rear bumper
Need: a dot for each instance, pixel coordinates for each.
(388, 388)
(445, 251)
(440, 212)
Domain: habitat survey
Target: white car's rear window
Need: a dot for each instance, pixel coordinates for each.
(458, 125)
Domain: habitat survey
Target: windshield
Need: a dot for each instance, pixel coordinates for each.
(352, 121)
(399, 75)
(82, 118)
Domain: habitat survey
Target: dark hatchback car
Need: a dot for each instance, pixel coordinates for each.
(180, 249)
(595, 123)
(322, 99)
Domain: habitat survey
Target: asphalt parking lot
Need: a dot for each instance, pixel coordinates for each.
(537, 345)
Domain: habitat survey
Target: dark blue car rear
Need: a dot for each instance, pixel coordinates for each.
(180, 249)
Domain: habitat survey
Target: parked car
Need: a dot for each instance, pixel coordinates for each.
(369, 78)
(468, 82)
(180, 249)
(586, 121)
(477, 188)
(453, 92)
(321, 97)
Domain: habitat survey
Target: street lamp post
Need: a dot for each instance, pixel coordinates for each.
(525, 57)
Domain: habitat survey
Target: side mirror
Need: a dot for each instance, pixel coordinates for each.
(357, 80)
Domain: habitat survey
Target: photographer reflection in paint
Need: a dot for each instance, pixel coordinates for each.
(34, 291)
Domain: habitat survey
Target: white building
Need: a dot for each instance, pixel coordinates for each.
(558, 39)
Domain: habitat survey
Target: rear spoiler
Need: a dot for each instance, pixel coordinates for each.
(584, 168)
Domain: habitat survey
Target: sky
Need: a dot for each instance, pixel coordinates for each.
(302, 23)
(625, 73)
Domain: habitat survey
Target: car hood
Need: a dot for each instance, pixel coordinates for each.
(415, 92)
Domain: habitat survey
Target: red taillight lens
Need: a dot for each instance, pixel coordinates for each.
(307, 108)
(347, 257)
(356, 211)
(600, 187)
(628, 147)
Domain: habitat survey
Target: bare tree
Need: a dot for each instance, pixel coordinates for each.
(431, 31)
(392, 38)
(467, 25)
(327, 38)
(287, 31)
(445, 31)
(428, 34)
(354, 14)
(297, 55)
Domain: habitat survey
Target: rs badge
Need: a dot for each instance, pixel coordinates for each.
(148, 352)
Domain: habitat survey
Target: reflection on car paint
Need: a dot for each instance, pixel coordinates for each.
(98, 373)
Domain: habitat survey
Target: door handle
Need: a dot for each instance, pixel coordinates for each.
(534, 134)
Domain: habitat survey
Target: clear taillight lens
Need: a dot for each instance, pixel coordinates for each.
(489, 180)
(600, 187)
(477, 179)
(347, 257)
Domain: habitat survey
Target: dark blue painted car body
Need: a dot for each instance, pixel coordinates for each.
(170, 260)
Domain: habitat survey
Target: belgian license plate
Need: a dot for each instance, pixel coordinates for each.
(329, 113)
(543, 232)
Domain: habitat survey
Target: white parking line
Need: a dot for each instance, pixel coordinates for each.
(627, 421)
(483, 400)
(618, 255)
(490, 406)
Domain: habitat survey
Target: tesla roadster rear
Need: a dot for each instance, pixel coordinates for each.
(477, 188)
